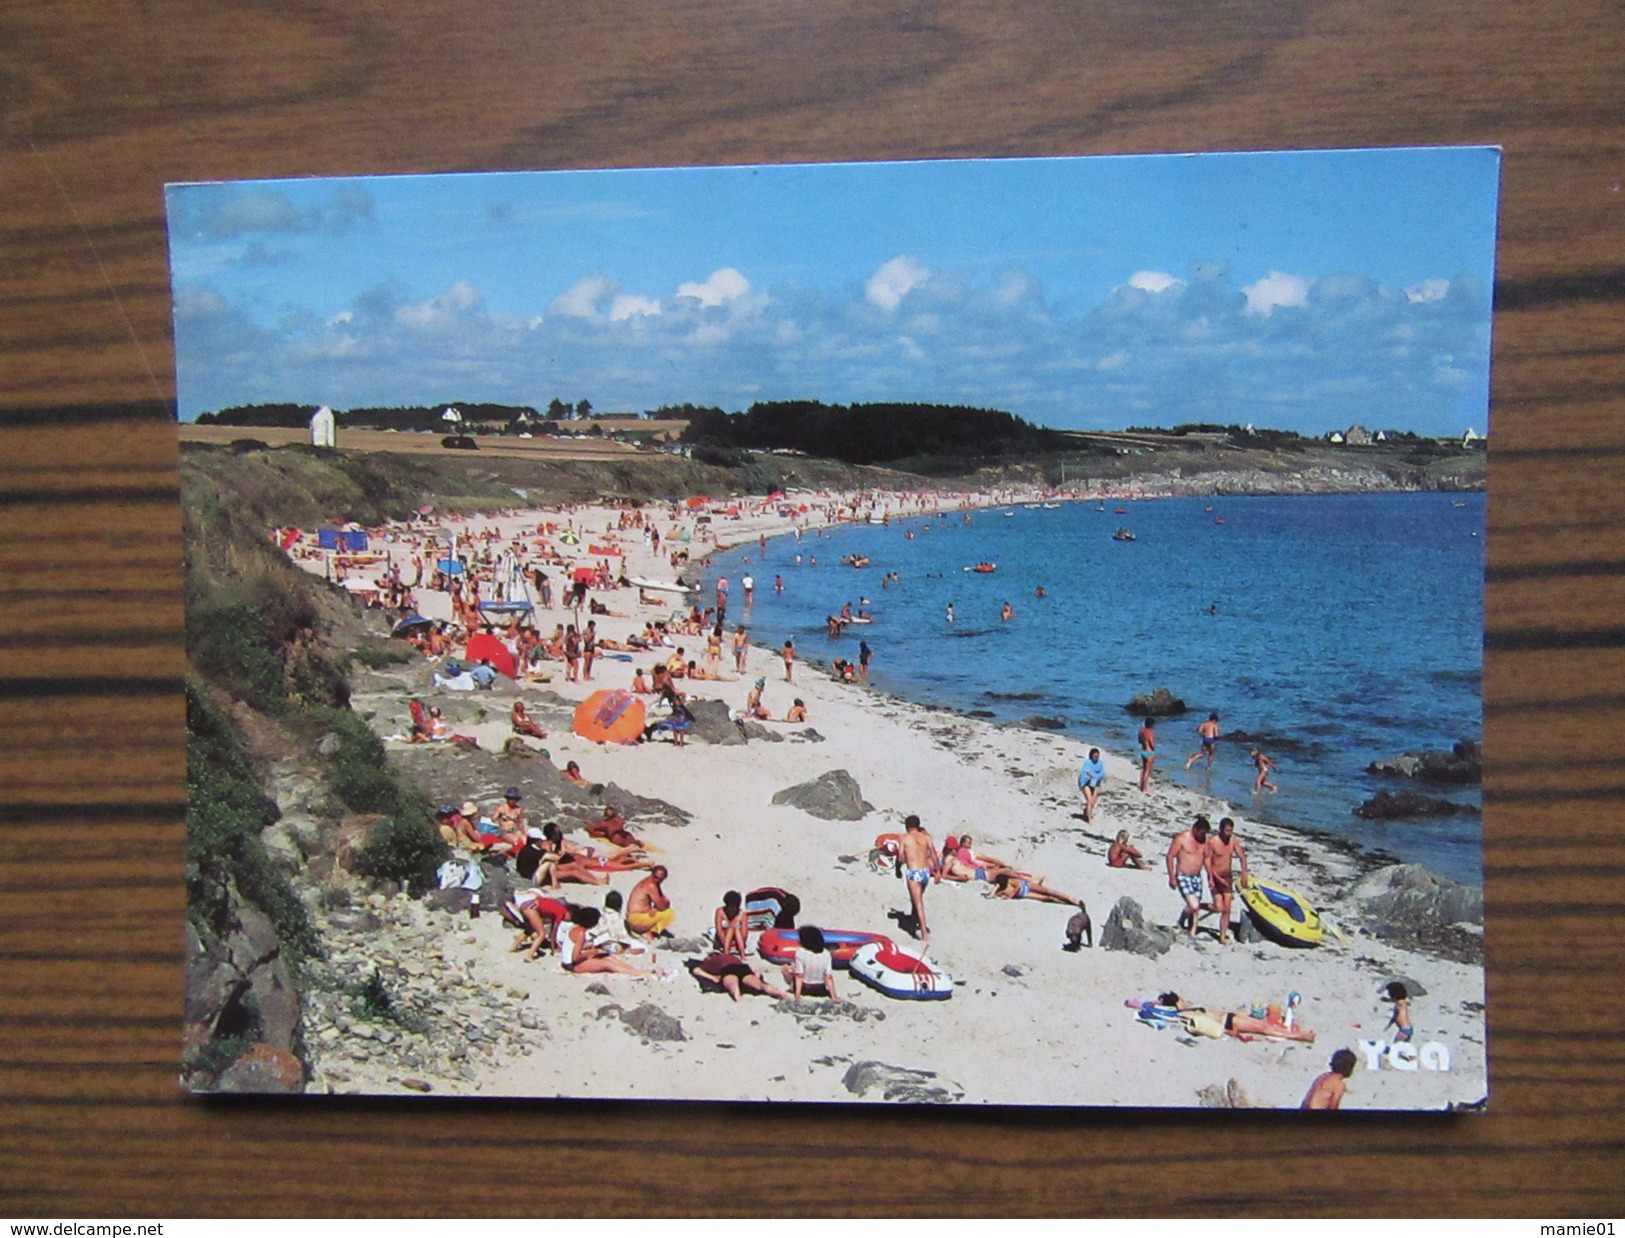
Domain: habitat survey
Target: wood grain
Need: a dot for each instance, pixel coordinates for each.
(105, 100)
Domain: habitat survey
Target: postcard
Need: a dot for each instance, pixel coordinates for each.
(991, 632)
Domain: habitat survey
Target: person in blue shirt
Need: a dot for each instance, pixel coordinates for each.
(1090, 775)
(483, 675)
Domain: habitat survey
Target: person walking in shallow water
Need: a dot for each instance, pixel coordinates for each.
(1263, 765)
(1148, 752)
(1208, 733)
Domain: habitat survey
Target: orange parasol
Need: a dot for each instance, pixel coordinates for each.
(613, 716)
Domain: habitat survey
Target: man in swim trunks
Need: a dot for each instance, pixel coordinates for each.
(648, 910)
(1223, 850)
(1090, 775)
(1148, 752)
(1187, 860)
(917, 861)
(1208, 733)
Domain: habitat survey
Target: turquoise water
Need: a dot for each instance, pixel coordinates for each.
(1348, 628)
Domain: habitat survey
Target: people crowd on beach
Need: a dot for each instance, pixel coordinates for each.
(495, 585)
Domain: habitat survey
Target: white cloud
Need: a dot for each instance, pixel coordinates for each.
(719, 288)
(628, 305)
(1153, 281)
(895, 280)
(1116, 361)
(1275, 289)
(340, 318)
(439, 312)
(1427, 290)
(582, 299)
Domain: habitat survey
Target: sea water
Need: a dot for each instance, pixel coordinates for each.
(1338, 629)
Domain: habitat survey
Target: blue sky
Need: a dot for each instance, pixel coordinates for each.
(1304, 291)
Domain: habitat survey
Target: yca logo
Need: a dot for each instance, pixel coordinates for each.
(1403, 1056)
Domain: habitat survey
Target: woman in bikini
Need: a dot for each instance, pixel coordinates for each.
(1008, 885)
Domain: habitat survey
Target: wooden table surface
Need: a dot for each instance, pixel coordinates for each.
(105, 100)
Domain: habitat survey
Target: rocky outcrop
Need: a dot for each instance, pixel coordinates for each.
(1462, 765)
(1045, 722)
(240, 996)
(831, 797)
(1126, 929)
(899, 1083)
(1409, 805)
(805, 1008)
(1408, 906)
(713, 723)
(648, 1021)
(1159, 704)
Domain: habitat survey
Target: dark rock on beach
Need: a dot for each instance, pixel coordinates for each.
(834, 796)
(713, 723)
(1126, 929)
(652, 1023)
(755, 730)
(898, 1083)
(1043, 722)
(1462, 765)
(1410, 907)
(1159, 704)
(1408, 805)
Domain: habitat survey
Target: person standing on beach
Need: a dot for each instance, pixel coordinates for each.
(1208, 733)
(1090, 775)
(1148, 752)
(1327, 1091)
(589, 648)
(864, 654)
(1223, 850)
(788, 653)
(1263, 765)
(741, 649)
(917, 862)
(1187, 861)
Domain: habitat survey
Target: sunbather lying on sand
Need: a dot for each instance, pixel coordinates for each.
(1238, 1023)
(961, 863)
(1008, 885)
(733, 974)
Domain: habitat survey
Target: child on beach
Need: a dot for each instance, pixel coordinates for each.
(1400, 1018)
(1263, 765)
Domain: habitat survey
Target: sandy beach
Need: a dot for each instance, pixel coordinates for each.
(1028, 1023)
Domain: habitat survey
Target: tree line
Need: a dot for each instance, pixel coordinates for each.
(871, 433)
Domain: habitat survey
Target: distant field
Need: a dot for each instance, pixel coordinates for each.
(419, 444)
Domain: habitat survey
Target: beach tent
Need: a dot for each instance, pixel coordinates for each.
(451, 567)
(483, 647)
(614, 716)
(339, 539)
(408, 624)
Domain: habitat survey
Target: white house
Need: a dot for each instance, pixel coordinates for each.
(323, 428)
